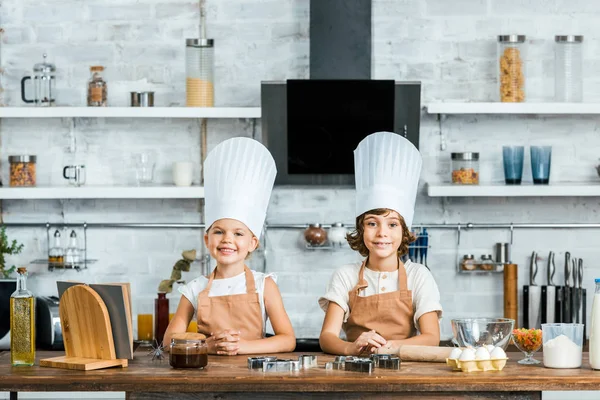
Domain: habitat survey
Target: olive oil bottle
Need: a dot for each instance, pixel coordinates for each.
(22, 323)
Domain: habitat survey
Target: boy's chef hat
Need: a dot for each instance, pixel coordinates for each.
(238, 179)
(387, 169)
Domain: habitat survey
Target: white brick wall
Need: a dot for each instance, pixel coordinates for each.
(449, 46)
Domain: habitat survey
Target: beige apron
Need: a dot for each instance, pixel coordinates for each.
(389, 314)
(237, 311)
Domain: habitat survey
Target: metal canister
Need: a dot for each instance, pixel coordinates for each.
(199, 66)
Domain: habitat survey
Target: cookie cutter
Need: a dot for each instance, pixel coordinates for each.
(258, 362)
(359, 365)
(281, 366)
(339, 362)
(308, 361)
(387, 361)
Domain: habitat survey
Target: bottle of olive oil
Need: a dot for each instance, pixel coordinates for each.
(22, 323)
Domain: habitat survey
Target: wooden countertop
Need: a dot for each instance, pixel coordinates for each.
(226, 374)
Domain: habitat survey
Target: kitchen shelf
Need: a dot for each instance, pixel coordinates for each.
(524, 190)
(103, 192)
(62, 266)
(130, 112)
(512, 108)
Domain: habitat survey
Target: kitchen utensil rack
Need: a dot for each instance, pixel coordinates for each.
(61, 266)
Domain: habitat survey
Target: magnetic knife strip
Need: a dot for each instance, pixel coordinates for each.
(273, 364)
(357, 364)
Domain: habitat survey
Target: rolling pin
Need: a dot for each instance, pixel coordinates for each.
(419, 353)
(511, 294)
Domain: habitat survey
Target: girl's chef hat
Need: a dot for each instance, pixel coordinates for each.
(238, 179)
(387, 169)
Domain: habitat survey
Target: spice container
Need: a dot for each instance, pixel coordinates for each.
(468, 262)
(188, 350)
(486, 264)
(315, 235)
(56, 254)
(337, 234)
(199, 68)
(97, 89)
(22, 323)
(568, 68)
(465, 168)
(511, 68)
(22, 170)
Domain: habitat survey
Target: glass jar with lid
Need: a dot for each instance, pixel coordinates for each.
(337, 234)
(188, 350)
(465, 168)
(97, 88)
(511, 68)
(199, 70)
(315, 235)
(486, 263)
(568, 68)
(468, 262)
(22, 170)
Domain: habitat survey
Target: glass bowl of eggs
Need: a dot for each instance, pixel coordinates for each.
(478, 332)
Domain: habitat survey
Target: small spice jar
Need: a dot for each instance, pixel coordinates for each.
(468, 262)
(337, 234)
(97, 88)
(22, 170)
(486, 264)
(188, 350)
(465, 168)
(315, 235)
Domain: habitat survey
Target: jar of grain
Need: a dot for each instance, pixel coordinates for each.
(22, 170)
(199, 70)
(511, 68)
(465, 168)
(468, 262)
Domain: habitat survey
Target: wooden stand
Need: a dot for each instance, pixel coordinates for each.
(87, 332)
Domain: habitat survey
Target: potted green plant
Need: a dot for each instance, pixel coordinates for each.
(10, 248)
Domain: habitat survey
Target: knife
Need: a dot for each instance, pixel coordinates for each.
(566, 298)
(574, 293)
(581, 291)
(549, 300)
(535, 295)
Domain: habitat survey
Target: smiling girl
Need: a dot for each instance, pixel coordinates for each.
(233, 304)
(382, 302)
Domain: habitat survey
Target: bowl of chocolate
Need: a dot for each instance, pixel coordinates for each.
(188, 350)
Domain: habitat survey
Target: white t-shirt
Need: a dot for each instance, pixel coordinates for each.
(425, 292)
(226, 287)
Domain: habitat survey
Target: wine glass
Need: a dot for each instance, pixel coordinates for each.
(528, 341)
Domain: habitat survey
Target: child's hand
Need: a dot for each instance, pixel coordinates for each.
(226, 343)
(367, 341)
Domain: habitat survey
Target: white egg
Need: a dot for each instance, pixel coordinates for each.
(482, 354)
(455, 354)
(498, 353)
(467, 355)
(490, 348)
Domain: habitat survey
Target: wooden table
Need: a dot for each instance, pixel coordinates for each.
(229, 378)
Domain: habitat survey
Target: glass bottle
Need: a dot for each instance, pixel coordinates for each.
(595, 330)
(72, 258)
(22, 319)
(161, 316)
(568, 68)
(97, 88)
(56, 256)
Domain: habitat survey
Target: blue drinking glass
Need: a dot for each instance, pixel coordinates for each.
(513, 164)
(541, 158)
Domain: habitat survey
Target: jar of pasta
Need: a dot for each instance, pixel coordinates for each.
(465, 168)
(511, 68)
(199, 69)
(22, 170)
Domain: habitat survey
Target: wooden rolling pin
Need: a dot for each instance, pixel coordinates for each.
(419, 353)
(511, 293)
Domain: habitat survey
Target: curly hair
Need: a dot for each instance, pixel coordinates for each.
(356, 238)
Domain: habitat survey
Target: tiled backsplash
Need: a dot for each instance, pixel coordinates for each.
(451, 50)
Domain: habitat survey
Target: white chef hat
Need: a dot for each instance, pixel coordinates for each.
(238, 179)
(387, 169)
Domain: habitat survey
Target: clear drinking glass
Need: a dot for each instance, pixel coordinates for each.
(541, 159)
(144, 168)
(513, 164)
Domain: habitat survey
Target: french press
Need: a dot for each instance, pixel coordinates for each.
(44, 84)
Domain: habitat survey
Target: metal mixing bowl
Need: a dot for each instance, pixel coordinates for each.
(474, 332)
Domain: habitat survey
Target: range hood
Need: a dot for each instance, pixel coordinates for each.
(312, 126)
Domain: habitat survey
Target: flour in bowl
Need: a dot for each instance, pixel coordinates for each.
(562, 352)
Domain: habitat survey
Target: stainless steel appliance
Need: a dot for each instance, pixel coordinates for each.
(47, 322)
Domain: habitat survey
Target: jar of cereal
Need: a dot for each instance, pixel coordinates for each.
(22, 170)
(511, 68)
(465, 168)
